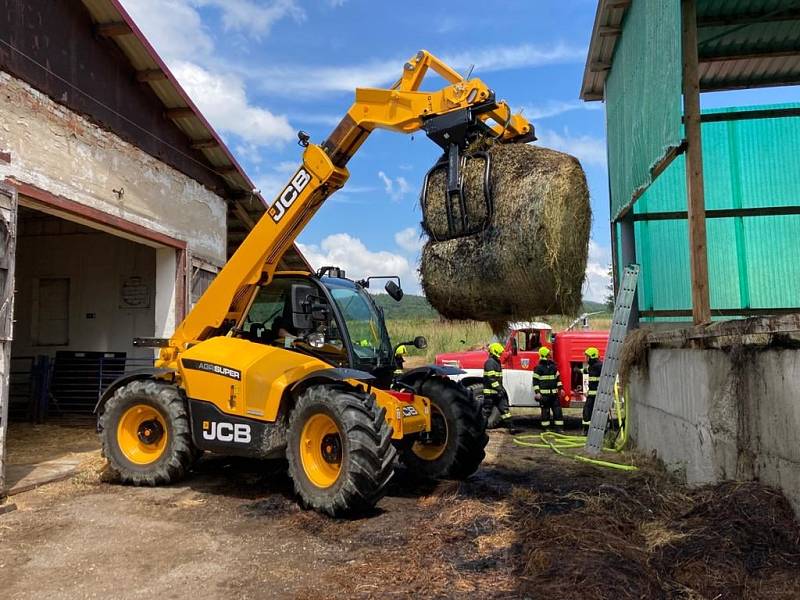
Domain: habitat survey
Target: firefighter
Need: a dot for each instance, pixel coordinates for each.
(399, 359)
(494, 394)
(547, 390)
(593, 368)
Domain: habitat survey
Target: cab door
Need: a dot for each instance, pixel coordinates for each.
(521, 358)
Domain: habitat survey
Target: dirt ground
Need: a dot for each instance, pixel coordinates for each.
(529, 524)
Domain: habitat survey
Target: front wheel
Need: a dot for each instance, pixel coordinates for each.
(339, 450)
(145, 433)
(454, 448)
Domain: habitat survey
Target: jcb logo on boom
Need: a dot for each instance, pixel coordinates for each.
(226, 432)
(289, 195)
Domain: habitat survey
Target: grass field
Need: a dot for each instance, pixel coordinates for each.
(454, 336)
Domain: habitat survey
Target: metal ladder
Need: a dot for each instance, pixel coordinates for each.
(608, 376)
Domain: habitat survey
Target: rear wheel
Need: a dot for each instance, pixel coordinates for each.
(455, 445)
(339, 450)
(145, 433)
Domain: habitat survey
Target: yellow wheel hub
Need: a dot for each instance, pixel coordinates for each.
(321, 450)
(434, 447)
(142, 434)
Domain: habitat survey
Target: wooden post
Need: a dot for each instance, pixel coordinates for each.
(698, 251)
(8, 239)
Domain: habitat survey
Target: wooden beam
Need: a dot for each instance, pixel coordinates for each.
(241, 213)
(207, 143)
(751, 55)
(698, 249)
(112, 29)
(743, 115)
(150, 75)
(181, 112)
(599, 67)
(608, 31)
(721, 213)
(226, 170)
(748, 19)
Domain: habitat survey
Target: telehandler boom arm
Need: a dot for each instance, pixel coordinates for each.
(451, 117)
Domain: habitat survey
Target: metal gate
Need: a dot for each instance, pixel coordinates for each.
(8, 244)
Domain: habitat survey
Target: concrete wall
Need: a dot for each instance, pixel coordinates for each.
(63, 153)
(715, 414)
(98, 266)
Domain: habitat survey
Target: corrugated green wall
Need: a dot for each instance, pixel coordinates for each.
(643, 92)
(753, 260)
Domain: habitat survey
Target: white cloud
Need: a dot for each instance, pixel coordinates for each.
(350, 253)
(409, 240)
(595, 287)
(554, 108)
(223, 100)
(395, 188)
(502, 58)
(178, 34)
(254, 18)
(300, 79)
(588, 149)
(174, 28)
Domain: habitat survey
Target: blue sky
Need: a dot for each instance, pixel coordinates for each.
(262, 69)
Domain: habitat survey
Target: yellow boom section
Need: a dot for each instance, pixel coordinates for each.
(401, 108)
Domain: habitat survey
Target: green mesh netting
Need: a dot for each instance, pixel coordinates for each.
(643, 94)
(752, 260)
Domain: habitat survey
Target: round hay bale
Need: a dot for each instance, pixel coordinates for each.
(530, 256)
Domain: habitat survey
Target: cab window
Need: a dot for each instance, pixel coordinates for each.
(269, 321)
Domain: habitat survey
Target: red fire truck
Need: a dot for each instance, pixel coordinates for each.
(522, 355)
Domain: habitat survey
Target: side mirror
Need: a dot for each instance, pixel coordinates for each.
(514, 346)
(394, 290)
(301, 306)
(420, 342)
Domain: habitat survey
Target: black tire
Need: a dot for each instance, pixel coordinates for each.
(178, 453)
(476, 389)
(366, 452)
(466, 435)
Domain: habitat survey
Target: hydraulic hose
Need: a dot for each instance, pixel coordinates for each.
(559, 442)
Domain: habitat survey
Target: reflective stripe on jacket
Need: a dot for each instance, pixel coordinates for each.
(593, 370)
(492, 376)
(546, 380)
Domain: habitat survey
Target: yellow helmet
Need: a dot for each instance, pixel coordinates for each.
(544, 352)
(592, 352)
(401, 349)
(496, 349)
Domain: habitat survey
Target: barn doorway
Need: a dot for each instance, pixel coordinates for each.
(82, 295)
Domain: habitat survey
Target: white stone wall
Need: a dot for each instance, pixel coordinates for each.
(715, 415)
(65, 154)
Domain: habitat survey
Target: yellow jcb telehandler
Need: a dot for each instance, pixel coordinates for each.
(272, 363)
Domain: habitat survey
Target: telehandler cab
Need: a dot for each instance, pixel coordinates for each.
(295, 364)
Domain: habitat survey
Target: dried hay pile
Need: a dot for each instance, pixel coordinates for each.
(529, 256)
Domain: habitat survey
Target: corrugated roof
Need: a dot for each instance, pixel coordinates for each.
(742, 43)
(112, 21)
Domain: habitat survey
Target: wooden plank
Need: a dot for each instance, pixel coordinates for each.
(721, 213)
(112, 29)
(698, 250)
(8, 247)
(742, 115)
(150, 75)
(181, 112)
(207, 143)
(245, 218)
(748, 18)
